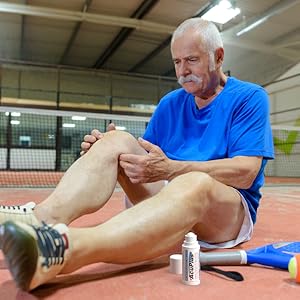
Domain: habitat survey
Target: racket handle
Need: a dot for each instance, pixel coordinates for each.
(230, 258)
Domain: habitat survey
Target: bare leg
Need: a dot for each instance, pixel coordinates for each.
(90, 181)
(153, 227)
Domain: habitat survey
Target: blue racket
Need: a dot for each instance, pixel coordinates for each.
(275, 255)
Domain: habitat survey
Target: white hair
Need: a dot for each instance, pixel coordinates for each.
(208, 33)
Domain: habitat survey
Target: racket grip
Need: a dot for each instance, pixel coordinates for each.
(230, 258)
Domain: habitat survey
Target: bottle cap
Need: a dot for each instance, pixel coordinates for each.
(176, 263)
(190, 237)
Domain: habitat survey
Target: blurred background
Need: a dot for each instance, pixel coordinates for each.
(67, 67)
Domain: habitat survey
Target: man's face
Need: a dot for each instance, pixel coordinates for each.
(191, 63)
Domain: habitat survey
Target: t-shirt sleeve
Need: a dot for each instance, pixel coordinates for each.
(150, 134)
(250, 133)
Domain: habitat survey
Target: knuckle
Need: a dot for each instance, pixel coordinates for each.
(89, 139)
(85, 145)
(95, 133)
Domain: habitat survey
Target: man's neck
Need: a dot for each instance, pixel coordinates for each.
(204, 100)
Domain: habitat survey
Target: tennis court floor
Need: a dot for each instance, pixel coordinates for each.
(278, 220)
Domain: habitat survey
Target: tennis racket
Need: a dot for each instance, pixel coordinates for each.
(275, 255)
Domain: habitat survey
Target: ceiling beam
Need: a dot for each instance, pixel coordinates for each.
(288, 44)
(167, 41)
(289, 54)
(152, 54)
(68, 15)
(85, 8)
(289, 39)
(22, 49)
(276, 9)
(140, 12)
(229, 36)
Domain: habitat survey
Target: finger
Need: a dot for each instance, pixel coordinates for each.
(131, 158)
(135, 180)
(111, 127)
(97, 134)
(128, 167)
(82, 152)
(147, 145)
(89, 138)
(85, 146)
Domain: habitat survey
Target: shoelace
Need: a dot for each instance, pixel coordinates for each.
(52, 245)
(13, 207)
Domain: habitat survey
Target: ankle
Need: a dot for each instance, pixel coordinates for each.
(47, 215)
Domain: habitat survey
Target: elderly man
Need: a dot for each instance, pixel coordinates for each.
(199, 167)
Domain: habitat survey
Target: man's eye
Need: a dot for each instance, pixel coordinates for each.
(192, 60)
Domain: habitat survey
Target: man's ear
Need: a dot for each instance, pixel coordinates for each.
(219, 57)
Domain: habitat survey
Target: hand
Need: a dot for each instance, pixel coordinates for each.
(95, 135)
(151, 167)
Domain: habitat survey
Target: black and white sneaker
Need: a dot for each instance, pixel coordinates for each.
(19, 213)
(34, 255)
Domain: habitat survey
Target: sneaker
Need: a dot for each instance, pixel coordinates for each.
(34, 255)
(19, 213)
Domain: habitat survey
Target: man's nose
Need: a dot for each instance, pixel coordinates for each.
(183, 69)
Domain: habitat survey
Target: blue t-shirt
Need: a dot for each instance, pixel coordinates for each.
(235, 123)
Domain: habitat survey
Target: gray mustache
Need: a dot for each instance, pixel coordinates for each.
(184, 79)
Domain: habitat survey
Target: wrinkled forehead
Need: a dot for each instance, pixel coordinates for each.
(188, 41)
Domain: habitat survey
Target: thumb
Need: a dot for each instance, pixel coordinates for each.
(146, 145)
(111, 126)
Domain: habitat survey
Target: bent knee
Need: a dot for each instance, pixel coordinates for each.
(119, 135)
(197, 180)
(118, 142)
(195, 185)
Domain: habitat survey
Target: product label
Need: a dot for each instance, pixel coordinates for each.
(190, 265)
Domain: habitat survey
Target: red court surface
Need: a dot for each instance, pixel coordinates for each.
(278, 220)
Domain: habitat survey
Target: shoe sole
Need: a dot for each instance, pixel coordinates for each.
(21, 253)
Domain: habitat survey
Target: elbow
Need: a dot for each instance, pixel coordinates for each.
(247, 177)
(248, 170)
(247, 183)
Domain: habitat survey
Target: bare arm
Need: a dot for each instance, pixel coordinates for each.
(238, 172)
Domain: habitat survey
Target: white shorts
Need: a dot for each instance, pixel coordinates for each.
(244, 235)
